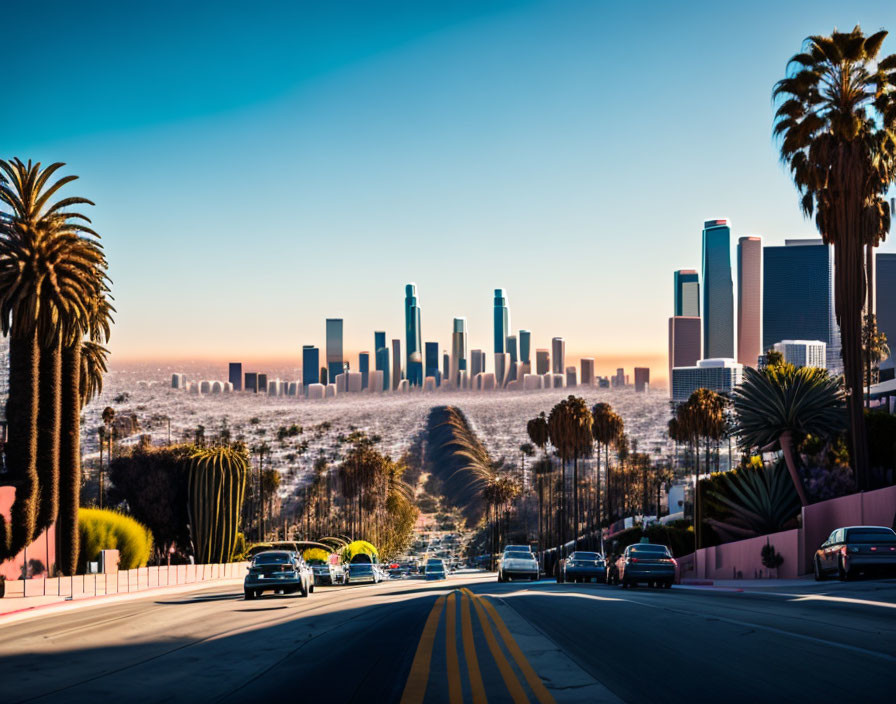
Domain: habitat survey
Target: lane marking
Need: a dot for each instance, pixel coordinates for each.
(507, 674)
(842, 600)
(476, 686)
(454, 684)
(415, 688)
(541, 692)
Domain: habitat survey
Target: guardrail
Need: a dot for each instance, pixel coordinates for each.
(123, 581)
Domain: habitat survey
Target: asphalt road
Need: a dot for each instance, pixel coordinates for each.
(464, 639)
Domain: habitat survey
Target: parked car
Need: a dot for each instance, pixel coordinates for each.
(435, 569)
(517, 548)
(855, 549)
(360, 572)
(647, 563)
(328, 573)
(517, 564)
(278, 571)
(583, 567)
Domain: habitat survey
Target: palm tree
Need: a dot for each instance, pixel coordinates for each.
(836, 120)
(537, 429)
(783, 404)
(607, 427)
(569, 427)
(48, 263)
(874, 350)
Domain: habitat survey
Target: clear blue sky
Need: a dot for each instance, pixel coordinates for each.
(258, 167)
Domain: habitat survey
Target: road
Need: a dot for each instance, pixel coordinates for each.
(464, 639)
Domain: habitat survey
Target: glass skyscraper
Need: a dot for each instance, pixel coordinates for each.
(458, 348)
(525, 339)
(235, 375)
(334, 348)
(558, 348)
(687, 293)
(364, 368)
(886, 300)
(718, 291)
(798, 296)
(431, 367)
(502, 321)
(414, 347)
(749, 300)
(381, 357)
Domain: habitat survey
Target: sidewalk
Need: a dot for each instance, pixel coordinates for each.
(748, 584)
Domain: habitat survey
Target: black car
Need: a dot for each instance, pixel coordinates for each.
(280, 571)
(855, 549)
(583, 567)
(646, 563)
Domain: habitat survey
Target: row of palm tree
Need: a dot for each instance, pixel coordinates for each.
(55, 308)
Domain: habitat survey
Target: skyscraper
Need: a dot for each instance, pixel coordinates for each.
(502, 321)
(235, 375)
(510, 346)
(432, 362)
(334, 348)
(396, 363)
(364, 368)
(458, 349)
(587, 367)
(542, 361)
(798, 296)
(310, 365)
(749, 300)
(477, 362)
(687, 292)
(718, 290)
(685, 348)
(642, 379)
(414, 346)
(446, 366)
(381, 358)
(558, 348)
(886, 300)
(525, 347)
(251, 382)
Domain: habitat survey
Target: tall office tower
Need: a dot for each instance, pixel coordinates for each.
(719, 375)
(446, 366)
(235, 375)
(718, 290)
(502, 362)
(885, 303)
(251, 379)
(477, 363)
(687, 293)
(396, 363)
(364, 368)
(525, 338)
(510, 347)
(571, 376)
(803, 353)
(619, 379)
(798, 296)
(432, 362)
(685, 343)
(642, 379)
(558, 348)
(334, 347)
(749, 300)
(325, 376)
(587, 365)
(458, 349)
(381, 358)
(413, 344)
(502, 321)
(178, 381)
(310, 365)
(262, 383)
(542, 361)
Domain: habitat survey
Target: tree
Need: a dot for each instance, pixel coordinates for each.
(606, 429)
(49, 274)
(569, 426)
(783, 404)
(836, 119)
(874, 350)
(537, 430)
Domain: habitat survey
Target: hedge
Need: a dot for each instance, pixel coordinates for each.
(110, 530)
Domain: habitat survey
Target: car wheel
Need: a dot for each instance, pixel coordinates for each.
(819, 574)
(624, 583)
(249, 594)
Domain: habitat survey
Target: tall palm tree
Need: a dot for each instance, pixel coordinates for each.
(537, 429)
(783, 404)
(874, 350)
(607, 427)
(836, 119)
(569, 427)
(48, 263)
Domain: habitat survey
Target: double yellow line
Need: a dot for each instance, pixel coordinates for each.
(415, 688)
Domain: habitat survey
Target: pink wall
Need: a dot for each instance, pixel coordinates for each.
(742, 560)
(43, 549)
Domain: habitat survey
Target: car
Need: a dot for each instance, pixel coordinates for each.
(517, 564)
(854, 549)
(360, 572)
(583, 567)
(517, 548)
(281, 571)
(328, 573)
(647, 563)
(435, 569)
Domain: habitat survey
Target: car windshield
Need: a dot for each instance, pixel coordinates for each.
(584, 556)
(518, 555)
(362, 567)
(272, 558)
(871, 535)
(435, 568)
(649, 550)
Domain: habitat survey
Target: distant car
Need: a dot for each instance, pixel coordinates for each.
(327, 573)
(517, 548)
(647, 563)
(855, 549)
(435, 569)
(517, 564)
(278, 571)
(583, 567)
(360, 572)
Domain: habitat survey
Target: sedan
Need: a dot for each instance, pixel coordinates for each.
(277, 571)
(360, 572)
(435, 569)
(583, 567)
(326, 573)
(647, 563)
(517, 564)
(849, 551)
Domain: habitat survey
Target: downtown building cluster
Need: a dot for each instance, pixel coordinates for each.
(783, 301)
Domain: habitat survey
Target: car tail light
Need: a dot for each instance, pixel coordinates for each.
(843, 550)
(632, 559)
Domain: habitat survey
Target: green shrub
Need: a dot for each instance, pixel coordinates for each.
(110, 530)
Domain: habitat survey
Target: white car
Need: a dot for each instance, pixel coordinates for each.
(517, 564)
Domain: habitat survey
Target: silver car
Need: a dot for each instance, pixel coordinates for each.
(517, 564)
(279, 571)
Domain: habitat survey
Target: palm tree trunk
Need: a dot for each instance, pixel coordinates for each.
(67, 536)
(575, 501)
(49, 400)
(786, 441)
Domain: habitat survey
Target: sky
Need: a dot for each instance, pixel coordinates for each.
(259, 167)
